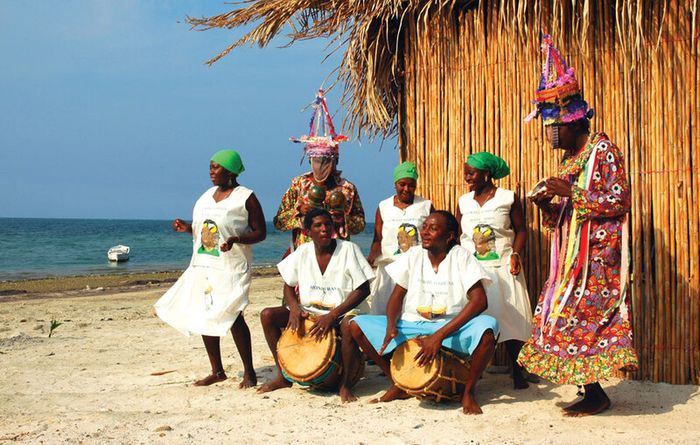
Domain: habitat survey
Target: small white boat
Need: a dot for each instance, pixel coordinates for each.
(118, 253)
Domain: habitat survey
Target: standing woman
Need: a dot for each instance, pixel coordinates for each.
(209, 298)
(397, 225)
(493, 229)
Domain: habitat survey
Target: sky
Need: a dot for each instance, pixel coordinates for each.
(108, 110)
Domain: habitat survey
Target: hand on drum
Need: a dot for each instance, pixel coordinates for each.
(296, 317)
(429, 347)
(322, 325)
(391, 332)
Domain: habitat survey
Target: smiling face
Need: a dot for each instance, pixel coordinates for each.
(405, 190)
(219, 176)
(435, 235)
(321, 230)
(475, 178)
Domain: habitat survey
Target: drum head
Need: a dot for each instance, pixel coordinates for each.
(405, 370)
(302, 357)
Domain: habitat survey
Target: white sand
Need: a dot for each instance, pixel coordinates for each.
(91, 383)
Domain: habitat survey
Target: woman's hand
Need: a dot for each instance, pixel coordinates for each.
(559, 187)
(429, 348)
(371, 258)
(181, 226)
(391, 332)
(515, 266)
(323, 324)
(226, 246)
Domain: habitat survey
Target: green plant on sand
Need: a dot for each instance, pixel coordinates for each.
(54, 324)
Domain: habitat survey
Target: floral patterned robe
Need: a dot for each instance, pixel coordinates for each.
(289, 216)
(581, 331)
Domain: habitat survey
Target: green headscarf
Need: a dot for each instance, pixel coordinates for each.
(230, 160)
(490, 162)
(405, 170)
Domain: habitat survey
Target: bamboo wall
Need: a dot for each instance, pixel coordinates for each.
(469, 78)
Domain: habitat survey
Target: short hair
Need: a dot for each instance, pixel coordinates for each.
(450, 222)
(313, 213)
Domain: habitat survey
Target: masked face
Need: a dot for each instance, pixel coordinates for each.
(322, 168)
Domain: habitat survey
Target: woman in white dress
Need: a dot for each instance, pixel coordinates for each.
(493, 228)
(397, 226)
(209, 298)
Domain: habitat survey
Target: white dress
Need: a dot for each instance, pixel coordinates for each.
(487, 233)
(444, 291)
(321, 292)
(400, 231)
(208, 297)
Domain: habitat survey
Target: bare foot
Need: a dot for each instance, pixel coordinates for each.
(249, 381)
(211, 379)
(346, 396)
(393, 393)
(469, 405)
(519, 381)
(589, 406)
(278, 383)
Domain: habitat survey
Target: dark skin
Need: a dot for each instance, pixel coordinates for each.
(481, 183)
(226, 182)
(437, 240)
(405, 194)
(572, 139)
(274, 319)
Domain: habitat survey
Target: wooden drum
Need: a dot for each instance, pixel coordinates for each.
(444, 378)
(315, 363)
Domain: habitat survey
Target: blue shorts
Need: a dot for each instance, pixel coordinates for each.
(463, 341)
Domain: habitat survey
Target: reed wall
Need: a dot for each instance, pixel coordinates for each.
(469, 76)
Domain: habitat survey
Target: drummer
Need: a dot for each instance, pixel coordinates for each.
(438, 295)
(333, 278)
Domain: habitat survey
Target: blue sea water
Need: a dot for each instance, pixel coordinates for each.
(34, 248)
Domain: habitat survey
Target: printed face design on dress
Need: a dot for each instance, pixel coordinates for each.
(485, 242)
(210, 238)
(407, 237)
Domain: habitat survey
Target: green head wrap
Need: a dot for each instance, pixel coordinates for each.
(405, 170)
(490, 162)
(230, 160)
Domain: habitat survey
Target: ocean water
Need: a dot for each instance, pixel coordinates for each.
(35, 248)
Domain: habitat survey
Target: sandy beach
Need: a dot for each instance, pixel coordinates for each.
(113, 373)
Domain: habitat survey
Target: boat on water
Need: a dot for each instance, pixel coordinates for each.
(118, 253)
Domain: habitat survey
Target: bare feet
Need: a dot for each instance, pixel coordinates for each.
(346, 395)
(469, 405)
(594, 401)
(393, 393)
(278, 382)
(519, 381)
(249, 381)
(211, 379)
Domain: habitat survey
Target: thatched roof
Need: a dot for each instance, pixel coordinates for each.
(372, 30)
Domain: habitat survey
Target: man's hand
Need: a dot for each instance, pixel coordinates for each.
(296, 317)
(429, 348)
(559, 187)
(323, 324)
(304, 208)
(338, 218)
(391, 333)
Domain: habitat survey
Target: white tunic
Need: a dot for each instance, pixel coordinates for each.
(395, 240)
(444, 290)
(487, 232)
(321, 292)
(210, 294)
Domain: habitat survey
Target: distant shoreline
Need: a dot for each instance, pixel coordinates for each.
(95, 283)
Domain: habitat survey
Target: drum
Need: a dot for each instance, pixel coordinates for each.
(444, 378)
(315, 363)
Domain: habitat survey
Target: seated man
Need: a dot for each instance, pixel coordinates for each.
(333, 278)
(445, 277)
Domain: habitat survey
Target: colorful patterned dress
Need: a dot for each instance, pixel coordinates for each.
(289, 216)
(581, 329)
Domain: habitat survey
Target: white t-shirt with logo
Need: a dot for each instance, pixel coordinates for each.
(321, 292)
(442, 291)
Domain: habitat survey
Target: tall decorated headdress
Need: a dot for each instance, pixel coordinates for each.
(322, 140)
(558, 98)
